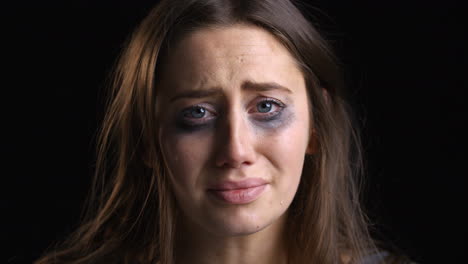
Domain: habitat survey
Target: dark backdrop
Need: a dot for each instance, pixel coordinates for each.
(405, 64)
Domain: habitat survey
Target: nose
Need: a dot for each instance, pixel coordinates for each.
(235, 146)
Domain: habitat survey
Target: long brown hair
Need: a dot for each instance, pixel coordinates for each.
(130, 217)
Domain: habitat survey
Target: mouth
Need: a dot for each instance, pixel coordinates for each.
(241, 192)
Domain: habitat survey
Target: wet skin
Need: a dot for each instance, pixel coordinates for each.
(233, 106)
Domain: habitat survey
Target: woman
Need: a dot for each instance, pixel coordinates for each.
(227, 140)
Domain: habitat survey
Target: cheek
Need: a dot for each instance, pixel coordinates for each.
(185, 157)
(285, 149)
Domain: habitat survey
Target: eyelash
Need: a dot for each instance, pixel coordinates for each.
(268, 116)
(275, 102)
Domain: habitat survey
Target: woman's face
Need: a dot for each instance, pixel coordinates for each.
(234, 128)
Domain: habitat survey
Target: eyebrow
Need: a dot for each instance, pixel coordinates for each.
(247, 85)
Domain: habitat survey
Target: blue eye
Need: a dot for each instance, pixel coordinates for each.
(195, 118)
(269, 106)
(268, 109)
(264, 107)
(195, 112)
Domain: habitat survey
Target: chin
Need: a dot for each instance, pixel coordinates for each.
(229, 220)
(238, 222)
(237, 229)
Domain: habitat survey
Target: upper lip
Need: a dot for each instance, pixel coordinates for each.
(234, 185)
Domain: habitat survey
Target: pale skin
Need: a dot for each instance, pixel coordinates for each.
(233, 105)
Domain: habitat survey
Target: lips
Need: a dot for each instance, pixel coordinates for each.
(238, 192)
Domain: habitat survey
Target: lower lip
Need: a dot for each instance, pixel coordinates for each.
(239, 196)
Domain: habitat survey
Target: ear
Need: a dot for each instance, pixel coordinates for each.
(312, 146)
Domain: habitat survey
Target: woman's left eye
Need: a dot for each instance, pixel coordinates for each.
(268, 106)
(264, 107)
(267, 109)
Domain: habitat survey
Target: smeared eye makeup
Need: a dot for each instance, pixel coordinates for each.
(265, 112)
(267, 109)
(195, 117)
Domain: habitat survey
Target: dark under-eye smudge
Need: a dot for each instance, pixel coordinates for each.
(185, 124)
(185, 127)
(276, 122)
(268, 122)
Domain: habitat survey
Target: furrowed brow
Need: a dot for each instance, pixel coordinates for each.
(247, 85)
(264, 86)
(197, 94)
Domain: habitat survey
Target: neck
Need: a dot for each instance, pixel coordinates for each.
(268, 245)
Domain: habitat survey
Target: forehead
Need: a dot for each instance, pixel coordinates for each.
(234, 41)
(222, 56)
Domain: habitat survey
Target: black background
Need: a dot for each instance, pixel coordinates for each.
(406, 66)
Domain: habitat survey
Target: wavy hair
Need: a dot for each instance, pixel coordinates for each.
(130, 216)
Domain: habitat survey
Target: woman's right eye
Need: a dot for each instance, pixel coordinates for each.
(196, 115)
(195, 112)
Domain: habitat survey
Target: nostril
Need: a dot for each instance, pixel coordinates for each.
(229, 164)
(234, 160)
